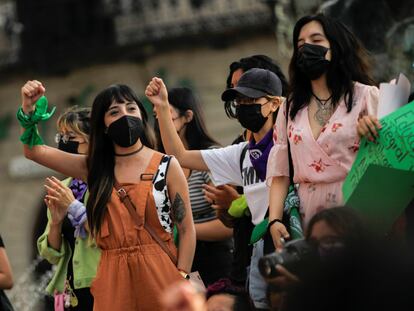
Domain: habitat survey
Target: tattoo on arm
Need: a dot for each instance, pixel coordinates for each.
(178, 209)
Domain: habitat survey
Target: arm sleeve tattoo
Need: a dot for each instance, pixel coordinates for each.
(178, 209)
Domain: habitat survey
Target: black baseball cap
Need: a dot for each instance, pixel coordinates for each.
(255, 83)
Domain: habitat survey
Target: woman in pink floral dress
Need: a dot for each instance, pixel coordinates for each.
(331, 94)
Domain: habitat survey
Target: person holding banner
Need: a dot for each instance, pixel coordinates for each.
(331, 94)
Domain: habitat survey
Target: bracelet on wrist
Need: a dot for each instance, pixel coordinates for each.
(273, 222)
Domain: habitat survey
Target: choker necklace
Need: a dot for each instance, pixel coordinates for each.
(322, 103)
(130, 153)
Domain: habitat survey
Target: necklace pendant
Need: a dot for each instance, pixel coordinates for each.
(324, 110)
(322, 116)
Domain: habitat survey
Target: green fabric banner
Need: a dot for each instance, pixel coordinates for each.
(381, 180)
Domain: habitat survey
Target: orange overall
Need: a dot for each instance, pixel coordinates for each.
(134, 270)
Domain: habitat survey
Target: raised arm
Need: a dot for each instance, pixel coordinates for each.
(63, 162)
(182, 215)
(156, 92)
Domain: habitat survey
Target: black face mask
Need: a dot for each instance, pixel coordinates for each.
(126, 131)
(70, 146)
(250, 117)
(311, 60)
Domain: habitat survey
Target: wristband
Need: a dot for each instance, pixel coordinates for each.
(31, 136)
(272, 222)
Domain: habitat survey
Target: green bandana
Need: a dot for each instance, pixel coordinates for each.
(238, 207)
(31, 136)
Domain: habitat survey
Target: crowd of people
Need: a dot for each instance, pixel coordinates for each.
(147, 210)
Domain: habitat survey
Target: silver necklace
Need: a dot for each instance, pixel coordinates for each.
(324, 111)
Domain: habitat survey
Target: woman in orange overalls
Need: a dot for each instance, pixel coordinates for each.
(129, 208)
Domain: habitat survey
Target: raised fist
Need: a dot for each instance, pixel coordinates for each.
(31, 92)
(157, 94)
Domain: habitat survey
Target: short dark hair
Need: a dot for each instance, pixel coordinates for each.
(254, 61)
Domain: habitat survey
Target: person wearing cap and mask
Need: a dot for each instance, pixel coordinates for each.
(332, 103)
(65, 242)
(213, 255)
(223, 196)
(257, 98)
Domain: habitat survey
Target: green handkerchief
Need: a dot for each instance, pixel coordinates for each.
(238, 207)
(259, 231)
(31, 136)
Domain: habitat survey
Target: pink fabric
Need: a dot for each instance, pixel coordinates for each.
(320, 165)
(59, 302)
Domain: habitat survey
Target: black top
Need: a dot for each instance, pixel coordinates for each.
(242, 230)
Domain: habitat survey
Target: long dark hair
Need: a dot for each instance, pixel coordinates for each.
(350, 62)
(254, 61)
(101, 161)
(196, 134)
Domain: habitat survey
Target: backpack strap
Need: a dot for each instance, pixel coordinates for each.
(242, 156)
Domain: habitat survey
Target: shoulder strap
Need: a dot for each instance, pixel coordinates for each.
(291, 171)
(125, 199)
(242, 156)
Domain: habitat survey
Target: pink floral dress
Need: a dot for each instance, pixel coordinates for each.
(320, 165)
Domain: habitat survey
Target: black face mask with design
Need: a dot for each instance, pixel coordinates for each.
(311, 60)
(70, 146)
(126, 131)
(250, 117)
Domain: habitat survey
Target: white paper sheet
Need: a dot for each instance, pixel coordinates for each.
(393, 96)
